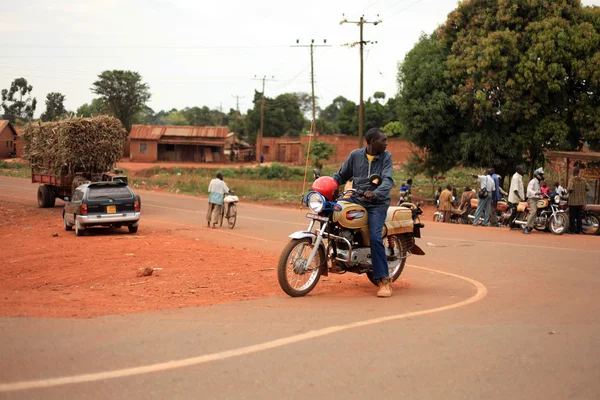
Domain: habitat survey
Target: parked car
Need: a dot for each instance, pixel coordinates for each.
(110, 204)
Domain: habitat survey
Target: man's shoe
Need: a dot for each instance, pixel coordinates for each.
(526, 231)
(385, 288)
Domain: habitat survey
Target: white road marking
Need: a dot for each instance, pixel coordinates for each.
(222, 355)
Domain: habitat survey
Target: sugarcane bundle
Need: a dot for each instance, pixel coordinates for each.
(77, 144)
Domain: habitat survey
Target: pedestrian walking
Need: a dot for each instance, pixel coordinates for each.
(217, 190)
(577, 189)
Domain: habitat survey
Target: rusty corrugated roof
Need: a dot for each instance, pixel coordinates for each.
(155, 132)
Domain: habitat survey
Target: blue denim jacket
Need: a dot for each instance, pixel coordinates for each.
(357, 166)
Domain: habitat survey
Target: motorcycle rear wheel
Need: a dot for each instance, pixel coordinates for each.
(295, 278)
(590, 224)
(558, 224)
(395, 267)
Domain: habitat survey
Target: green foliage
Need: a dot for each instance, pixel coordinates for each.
(282, 116)
(17, 102)
(175, 118)
(55, 107)
(500, 80)
(123, 94)
(393, 129)
(96, 107)
(319, 153)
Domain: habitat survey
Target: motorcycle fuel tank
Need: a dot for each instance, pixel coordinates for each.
(352, 216)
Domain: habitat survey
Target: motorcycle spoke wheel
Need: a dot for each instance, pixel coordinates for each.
(295, 277)
(558, 224)
(396, 255)
(590, 224)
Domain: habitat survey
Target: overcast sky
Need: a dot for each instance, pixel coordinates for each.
(197, 52)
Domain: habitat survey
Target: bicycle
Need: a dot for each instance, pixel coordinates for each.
(229, 202)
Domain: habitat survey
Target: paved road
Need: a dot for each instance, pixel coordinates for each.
(489, 314)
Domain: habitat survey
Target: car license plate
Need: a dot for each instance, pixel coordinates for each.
(111, 209)
(317, 217)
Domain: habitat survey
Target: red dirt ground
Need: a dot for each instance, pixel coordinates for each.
(48, 272)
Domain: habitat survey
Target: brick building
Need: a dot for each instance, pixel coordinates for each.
(8, 139)
(291, 150)
(150, 143)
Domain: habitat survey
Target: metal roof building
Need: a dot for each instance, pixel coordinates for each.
(177, 143)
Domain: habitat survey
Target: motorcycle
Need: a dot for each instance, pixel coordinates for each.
(341, 243)
(503, 212)
(591, 219)
(551, 214)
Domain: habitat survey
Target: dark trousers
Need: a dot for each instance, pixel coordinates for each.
(576, 215)
(378, 256)
(513, 214)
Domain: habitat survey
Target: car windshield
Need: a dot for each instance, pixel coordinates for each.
(109, 192)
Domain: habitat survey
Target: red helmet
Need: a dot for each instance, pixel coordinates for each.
(327, 186)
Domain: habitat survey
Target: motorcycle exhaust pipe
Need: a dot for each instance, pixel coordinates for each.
(522, 223)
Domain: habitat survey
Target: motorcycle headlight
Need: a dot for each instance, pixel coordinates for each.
(316, 202)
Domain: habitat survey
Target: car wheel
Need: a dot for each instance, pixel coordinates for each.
(132, 228)
(68, 226)
(79, 230)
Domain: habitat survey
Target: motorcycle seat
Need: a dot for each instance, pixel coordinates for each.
(595, 208)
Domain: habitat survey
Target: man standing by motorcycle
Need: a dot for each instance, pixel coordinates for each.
(533, 195)
(486, 187)
(516, 194)
(360, 165)
(217, 190)
(577, 188)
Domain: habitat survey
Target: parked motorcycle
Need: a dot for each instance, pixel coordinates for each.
(503, 212)
(591, 219)
(550, 215)
(341, 243)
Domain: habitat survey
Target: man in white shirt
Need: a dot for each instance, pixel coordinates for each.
(485, 203)
(533, 195)
(516, 194)
(217, 189)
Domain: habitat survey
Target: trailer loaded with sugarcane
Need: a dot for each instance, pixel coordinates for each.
(66, 153)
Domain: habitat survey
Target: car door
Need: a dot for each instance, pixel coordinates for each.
(74, 205)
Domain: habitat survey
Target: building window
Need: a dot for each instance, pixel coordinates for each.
(265, 149)
(170, 147)
(143, 148)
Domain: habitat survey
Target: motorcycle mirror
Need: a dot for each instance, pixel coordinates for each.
(316, 174)
(375, 179)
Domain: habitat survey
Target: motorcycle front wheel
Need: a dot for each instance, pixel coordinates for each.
(296, 278)
(590, 224)
(558, 224)
(396, 256)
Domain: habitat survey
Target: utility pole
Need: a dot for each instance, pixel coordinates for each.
(312, 76)
(362, 42)
(262, 115)
(221, 114)
(237, 110)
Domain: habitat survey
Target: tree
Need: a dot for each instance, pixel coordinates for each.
(379, 96)
(426, 108)
(347, 119)
(96, 107)
(123, 93)
(17, 102)
(520, 76)
(175, 118)
(55, 107)
(393, 129)
(282, 116)
(319, 153)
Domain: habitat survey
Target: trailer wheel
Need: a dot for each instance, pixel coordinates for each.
(51, 196)
(42, 196)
